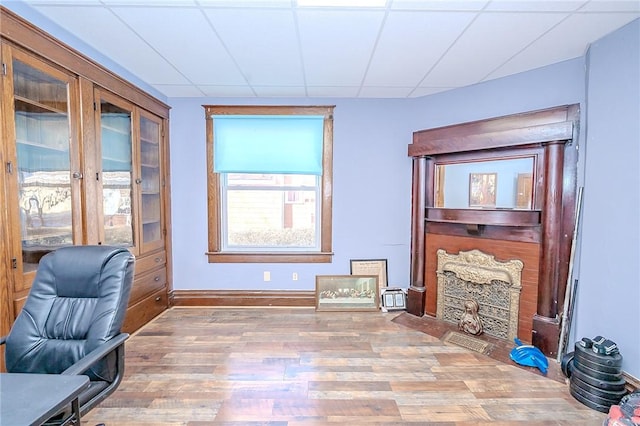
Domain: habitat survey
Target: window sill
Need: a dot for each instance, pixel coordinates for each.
(272, 257)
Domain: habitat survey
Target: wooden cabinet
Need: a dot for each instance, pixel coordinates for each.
(151, 181)
(85, 161)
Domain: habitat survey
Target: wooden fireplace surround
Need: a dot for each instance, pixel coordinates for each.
(541, 237)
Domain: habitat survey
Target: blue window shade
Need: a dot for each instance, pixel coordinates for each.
(283, 144)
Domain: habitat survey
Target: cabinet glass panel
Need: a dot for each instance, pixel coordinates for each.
(115, 136)
(43, 163)
(150, 185)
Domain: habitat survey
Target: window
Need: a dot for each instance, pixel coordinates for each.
(270, 179)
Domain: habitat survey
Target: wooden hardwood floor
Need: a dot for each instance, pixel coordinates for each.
(295, 366)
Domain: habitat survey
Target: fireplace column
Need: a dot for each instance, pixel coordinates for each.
(546, 326)
(420, 198)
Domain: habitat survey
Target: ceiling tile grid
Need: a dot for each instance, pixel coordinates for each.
(279, 48)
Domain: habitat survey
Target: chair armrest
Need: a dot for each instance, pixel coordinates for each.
(96, 355)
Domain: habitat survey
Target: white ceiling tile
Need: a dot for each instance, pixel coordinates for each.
(535, 5)
(450, 5)
(475, 55)
(333, 92)
(227, 91)
(268, 54)
(411, 43)
(115, 40)
(612, 6)
(244, 3)
(179, 90)
(336, 46)
(201, 59)
(279, 91)
(566, 41)
(384, 92)
(266, 48)
(35, 3)
(150, 3)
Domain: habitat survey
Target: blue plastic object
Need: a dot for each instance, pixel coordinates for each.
(529, 355)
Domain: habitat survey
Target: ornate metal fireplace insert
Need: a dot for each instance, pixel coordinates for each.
(473, 277)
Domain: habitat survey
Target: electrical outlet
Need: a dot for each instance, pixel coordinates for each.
(267, 276)
(294, 276)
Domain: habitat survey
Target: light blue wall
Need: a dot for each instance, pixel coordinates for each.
(371, 188)
(608, 295)
(372, 174)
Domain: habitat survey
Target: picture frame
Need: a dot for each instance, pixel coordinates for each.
(347, 293)
(376, 267)
(482, 189)
(394, 299)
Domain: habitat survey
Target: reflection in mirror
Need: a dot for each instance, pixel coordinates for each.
(493, 184)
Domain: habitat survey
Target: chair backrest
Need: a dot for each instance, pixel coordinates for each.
(78, 300)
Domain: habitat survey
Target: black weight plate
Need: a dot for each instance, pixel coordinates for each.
(566, 364)
(595, 373)
(598, 367)
(609, 360)
(613, 395)
(599, 407)
(611, 385)
(591, 397)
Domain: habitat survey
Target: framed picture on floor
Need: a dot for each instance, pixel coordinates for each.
(376, 267)
(347, 293)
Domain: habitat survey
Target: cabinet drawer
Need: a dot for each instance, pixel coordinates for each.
(147, 283)
(144, 311)
(149, 262)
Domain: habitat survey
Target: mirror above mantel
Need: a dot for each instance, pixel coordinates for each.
(502, 187)
(505, 184)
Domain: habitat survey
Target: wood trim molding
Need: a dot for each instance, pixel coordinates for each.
(548, 125)
(243, 298)
(484, 216)
(301, 257)
(493, 140)
(419, 195)
(632, 383)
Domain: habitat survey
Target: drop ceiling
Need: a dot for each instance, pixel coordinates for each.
(278, 48)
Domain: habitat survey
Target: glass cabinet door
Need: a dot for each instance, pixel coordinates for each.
(149, 182)
(46, 163)
(116, 160)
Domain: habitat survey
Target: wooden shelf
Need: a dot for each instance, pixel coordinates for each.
(116, 130)
(27, 105)
(149, 141)
(503, 217)
(41, 146)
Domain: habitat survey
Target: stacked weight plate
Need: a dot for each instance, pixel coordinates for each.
(596, 379)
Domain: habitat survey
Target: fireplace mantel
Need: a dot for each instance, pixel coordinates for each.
(549, 138)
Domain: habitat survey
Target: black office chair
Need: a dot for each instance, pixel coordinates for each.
(70, 323)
